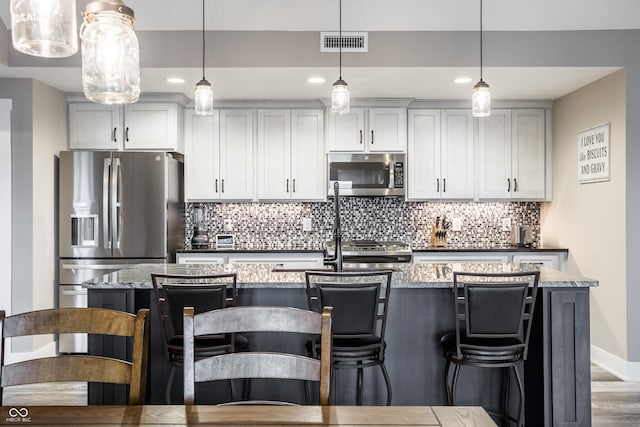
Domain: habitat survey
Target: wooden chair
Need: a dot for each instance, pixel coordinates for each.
(360, 302)
(173, 292)
(79, 367)
(257, 364)
(493, 316)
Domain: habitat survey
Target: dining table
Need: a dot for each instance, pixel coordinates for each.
(261, 415)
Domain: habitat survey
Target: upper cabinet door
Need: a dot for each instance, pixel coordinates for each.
(456, 160)
(236, 155)
(201, 157)
(274, 154)
(494, 156)
(423, 155)
(528, 154)
(95, 127)
(308, 162)
(151, 126)
(347, 131)
(387, 130)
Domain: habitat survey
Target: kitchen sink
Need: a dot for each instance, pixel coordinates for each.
(345, 268)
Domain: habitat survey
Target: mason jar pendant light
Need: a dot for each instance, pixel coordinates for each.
(204, 95)
(110, 53)
(481, 99)
(340, 91)
(45, 28)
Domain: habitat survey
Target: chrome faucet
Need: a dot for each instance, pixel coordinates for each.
(336, 260)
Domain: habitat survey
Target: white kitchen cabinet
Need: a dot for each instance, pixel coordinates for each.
(200, 258)
(440, 154)
(469, 258)
(291, 163)
(139, 126)
(219, 155)
(512, 155)
(556, 261)
(368, 130)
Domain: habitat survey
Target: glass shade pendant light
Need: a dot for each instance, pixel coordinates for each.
(110, 53)
(204, 95)
(45, 28)
(340, 91)
(481, 98)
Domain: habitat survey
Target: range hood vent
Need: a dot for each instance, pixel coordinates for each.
(351, 41)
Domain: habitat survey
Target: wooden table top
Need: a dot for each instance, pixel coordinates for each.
(168, 415)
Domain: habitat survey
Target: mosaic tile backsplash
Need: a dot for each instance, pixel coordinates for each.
(279, 225)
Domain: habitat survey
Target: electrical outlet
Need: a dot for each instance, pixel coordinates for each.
(456, 224)
(506, 224)
(306, 224)
(226, 226)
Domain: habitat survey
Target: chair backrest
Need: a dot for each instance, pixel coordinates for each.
(359, 300)
(494, 309)
(79, 367)
(257, 364)
(203, 292)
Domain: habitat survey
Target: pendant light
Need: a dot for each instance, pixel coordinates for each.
(481, 99)
(340, 91)
(204, 94)
(110, 53)
(44, 28)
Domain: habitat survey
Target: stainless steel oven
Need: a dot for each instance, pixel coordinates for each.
(374, 174)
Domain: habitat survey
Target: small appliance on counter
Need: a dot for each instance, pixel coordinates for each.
(200, 239)
(521, 236)
(225, 241)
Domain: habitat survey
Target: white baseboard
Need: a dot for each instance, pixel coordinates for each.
(628, 371)
(48, 350)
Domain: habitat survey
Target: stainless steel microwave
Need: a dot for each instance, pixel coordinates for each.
(375, 174)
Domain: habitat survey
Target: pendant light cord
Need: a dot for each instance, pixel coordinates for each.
(203, 42)
(480, 40)
(340, 38)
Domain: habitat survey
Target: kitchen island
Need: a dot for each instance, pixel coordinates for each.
(557, 372)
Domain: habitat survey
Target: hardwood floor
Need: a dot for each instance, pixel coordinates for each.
(614, 403)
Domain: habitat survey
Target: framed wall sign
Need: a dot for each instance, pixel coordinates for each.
(594, 154)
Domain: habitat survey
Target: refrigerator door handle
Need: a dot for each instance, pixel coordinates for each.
(116, 181)
(106, 230)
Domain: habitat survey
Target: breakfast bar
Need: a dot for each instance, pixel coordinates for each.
(556, 373)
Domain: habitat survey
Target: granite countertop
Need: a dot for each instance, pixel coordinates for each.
(299, 249)
(409, 275)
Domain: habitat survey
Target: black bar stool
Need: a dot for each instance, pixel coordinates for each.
(493, 313)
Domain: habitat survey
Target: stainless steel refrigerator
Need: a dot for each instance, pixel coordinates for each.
(116, 209)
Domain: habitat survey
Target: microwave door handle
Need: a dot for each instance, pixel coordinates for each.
(115, 203)
(106, 222)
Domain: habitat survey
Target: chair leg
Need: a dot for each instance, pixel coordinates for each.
(167, 392)
(456, 372)
(520, 420)
(385, 374)
(506, 385)
(447, 391)
(359, 387)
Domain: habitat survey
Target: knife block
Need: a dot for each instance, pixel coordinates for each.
(438, 237)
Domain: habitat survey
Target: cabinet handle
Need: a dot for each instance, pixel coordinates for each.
(437, 185)
(115, 137)
(126, 134)
(508, 185)
(223, 185)
(294, 185)
(515, 185)
(444, 185)
(216, 185)
(287, 185)
(360, 136)
(371, 137)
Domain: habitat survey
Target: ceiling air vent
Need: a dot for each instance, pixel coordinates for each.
(351, 41)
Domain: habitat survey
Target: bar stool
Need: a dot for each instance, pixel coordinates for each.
(360, 303)
(493, 313)
(203, 292)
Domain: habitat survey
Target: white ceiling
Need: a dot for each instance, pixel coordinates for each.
(362, 15)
